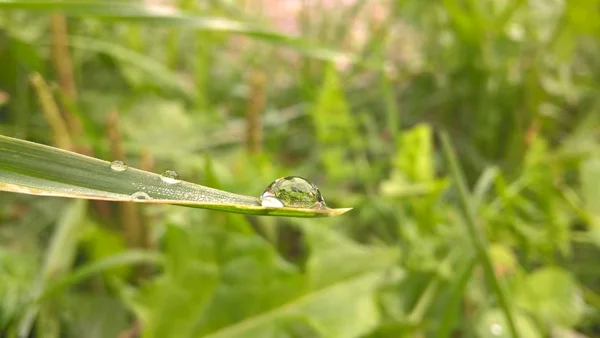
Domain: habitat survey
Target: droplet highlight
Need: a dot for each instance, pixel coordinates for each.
(118, 166)
(170, 177)
(140, 196)
(293, 192)
(271, 202)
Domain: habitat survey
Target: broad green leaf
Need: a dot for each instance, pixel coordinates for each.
(140, 13)
(32, 168)
(492, 324)
(93, 315)
(227, 284)
(553, 295)
(171, 304)
(126, 258)
(330, 248)
(351, 273)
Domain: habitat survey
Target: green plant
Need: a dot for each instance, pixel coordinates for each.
(41, 170)
(354, 97)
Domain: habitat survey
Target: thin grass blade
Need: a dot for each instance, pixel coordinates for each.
(131, 12)
(31, 168)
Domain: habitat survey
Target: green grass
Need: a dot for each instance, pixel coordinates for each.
(488, 231)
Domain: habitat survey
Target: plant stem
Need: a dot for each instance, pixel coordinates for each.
(128, 212)
(256, 106)
(416, 315)
(51, 112)
(477, 237)
(61, 58)
(457, 293)
(61, 55)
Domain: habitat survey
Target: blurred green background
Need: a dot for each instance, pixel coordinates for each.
(350, 94)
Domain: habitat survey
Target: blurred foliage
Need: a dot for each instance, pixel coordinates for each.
(514, 83)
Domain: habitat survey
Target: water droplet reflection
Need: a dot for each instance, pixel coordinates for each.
(170, 177)
(118, 166)
(140, 196)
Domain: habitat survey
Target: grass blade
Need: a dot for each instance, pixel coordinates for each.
(121, 11)
(31, 168)
(476, 236)
(456, 297)
(127, 258)
(150, 66)
(59, 259)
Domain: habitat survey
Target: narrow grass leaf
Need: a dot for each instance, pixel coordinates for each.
(474, 232)
(112, 10)
(31, 168)
(59, 258)
(127, 258)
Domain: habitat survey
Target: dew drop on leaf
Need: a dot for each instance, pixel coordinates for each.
(118, 166)
(170, 177)
(293, 192)
(140, 196)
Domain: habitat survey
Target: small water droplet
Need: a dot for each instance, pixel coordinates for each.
(140, 196)
(294, 192)
(118, 166)
(170, 177)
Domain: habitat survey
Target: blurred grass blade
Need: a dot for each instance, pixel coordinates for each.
(457, 294)
(150, 66)
(127, 258)
(59, 259)
(168, 16)
(477, 238)
(36, 169)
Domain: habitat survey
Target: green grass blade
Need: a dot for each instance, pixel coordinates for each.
(466, 203)
(127, 258)
(457, 295)
(31, 168)
(59, 259)
(131, 12)
(150, 66)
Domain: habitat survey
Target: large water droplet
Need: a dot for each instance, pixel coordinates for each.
(140, 196)
(118, 166)
(292, 191)
(170, 177)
